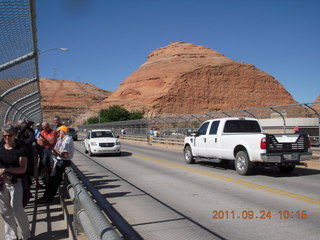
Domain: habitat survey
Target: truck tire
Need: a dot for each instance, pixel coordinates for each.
(286, 169)
(188, 157)
(242, 163)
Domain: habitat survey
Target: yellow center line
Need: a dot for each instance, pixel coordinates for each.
(233, 180)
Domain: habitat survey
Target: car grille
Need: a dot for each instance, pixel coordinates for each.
(106, 144)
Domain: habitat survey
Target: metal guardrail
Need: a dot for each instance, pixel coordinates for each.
(87, 215)
(151, 139)
(90, 216)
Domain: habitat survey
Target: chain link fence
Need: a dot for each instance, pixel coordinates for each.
(274, 119)
(19, 75)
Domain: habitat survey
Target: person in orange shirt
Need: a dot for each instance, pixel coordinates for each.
(47, 140)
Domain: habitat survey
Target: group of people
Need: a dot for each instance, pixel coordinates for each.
(26, 154)
(154, 135)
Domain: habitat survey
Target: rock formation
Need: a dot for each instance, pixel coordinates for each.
(316, 106)
(180, 78)
(70, 100)
(187, 78)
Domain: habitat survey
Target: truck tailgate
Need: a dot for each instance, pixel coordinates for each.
(277, 143)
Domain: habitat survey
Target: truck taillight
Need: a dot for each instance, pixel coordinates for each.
(263, 143)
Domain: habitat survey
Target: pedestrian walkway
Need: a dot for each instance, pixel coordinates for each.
(47, 221)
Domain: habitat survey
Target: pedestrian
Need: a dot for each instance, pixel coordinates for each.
(13, 164)
(57, 121)
(63, 153)
(123, 132)
(155, 135)
(37, 130)
(151, 132)
(27, 137)
(296, 130)
(47, 140)
(37, 157)
(150, 136)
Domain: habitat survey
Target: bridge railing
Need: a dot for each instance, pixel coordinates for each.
(92, 214)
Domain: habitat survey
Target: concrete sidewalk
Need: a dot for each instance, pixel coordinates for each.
(47, 221)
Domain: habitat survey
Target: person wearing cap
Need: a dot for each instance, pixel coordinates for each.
(37, 130)
(63, 153)
(296, 130)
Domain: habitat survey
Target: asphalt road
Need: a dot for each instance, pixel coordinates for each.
(164, 198)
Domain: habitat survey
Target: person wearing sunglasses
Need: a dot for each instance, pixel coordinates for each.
(13, 164)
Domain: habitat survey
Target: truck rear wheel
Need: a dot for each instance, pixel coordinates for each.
(188, 157)
(286, 169)
(242, 163)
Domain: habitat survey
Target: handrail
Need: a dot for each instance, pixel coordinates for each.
(94, 223)
(77, 188)
(161, 140)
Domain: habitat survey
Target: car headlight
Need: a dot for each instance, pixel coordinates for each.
(93, 144)
(118, 144)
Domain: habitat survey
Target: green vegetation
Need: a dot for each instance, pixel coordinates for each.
(115, 113)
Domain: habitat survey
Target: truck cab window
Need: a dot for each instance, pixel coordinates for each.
(214, 128)
(203, 129)
(237, 126)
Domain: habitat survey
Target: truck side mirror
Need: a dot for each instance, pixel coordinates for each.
(189, 131)
(194, 133)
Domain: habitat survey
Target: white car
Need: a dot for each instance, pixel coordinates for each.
(101, 141)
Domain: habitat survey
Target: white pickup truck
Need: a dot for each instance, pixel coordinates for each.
(242, 140)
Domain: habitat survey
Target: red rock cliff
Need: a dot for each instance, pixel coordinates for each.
(187, 78)
(70, 99)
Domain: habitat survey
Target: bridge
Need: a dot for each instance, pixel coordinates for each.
(85, 207)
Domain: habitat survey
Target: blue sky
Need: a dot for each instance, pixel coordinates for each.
(109, 39)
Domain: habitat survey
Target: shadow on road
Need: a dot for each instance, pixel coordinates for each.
(260, 170)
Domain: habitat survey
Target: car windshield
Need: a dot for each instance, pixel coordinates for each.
(102, 134)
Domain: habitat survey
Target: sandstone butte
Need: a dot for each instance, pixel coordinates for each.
(70, 99)
(186, 78)
(179, 78)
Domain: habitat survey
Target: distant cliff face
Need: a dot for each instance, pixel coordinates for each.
(316, 106)
(187, 78)
(70, 99)
(180, 78)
